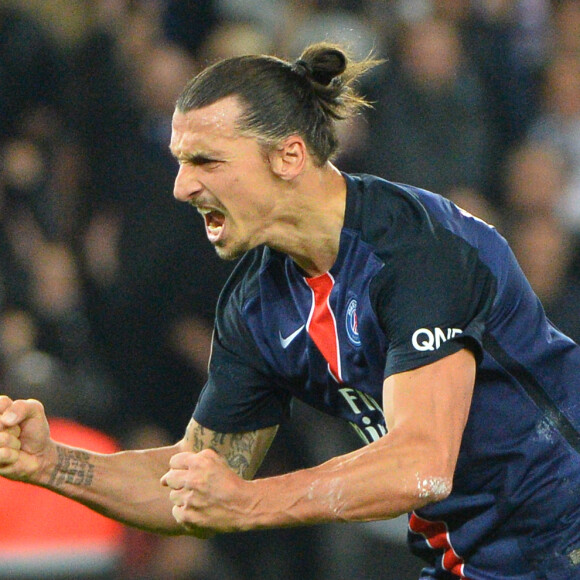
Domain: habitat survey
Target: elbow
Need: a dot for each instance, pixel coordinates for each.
(430, 472)
(432, 478)
(431, 487)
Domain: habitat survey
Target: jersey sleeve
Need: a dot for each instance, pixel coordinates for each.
(432, 299)
(241, 393)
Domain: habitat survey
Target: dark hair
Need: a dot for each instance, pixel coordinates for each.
(281, 98)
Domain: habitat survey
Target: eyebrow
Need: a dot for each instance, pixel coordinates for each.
(195, 158)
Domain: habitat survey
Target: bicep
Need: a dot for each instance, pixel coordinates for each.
(429, 406)
(244, 451)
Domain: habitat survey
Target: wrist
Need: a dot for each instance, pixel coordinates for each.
(276, 502)
(55, 467)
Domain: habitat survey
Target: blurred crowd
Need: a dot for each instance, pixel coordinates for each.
(108, 285)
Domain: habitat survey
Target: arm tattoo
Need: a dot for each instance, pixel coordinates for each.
(196, 437)
(236, 448)
(73, 467)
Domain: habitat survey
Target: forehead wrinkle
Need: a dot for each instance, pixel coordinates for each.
(191, 137)
(186, 144)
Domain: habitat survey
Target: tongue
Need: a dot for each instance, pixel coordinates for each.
(216, 219)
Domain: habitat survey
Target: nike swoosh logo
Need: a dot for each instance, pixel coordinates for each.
(286, 341)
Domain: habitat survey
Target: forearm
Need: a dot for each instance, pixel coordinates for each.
(379, 481)
(426, 410)
(124, 486)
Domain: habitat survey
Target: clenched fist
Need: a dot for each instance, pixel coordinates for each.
(25, 442)
(206, 493)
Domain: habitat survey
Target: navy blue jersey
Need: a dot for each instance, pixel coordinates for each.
(415, 280)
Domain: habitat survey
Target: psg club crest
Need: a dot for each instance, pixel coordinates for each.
(352, 323)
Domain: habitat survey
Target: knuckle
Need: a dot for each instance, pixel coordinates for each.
(35, 404)
(6, 439)
(14, 431)
(207, 453)
(206, 458)
(7, 455)
(18, 406)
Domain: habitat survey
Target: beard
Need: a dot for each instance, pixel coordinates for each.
(231, 253)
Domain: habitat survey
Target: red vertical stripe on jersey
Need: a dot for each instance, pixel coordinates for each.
(437, 536)
(322, 325)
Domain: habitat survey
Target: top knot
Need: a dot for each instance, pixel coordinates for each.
(302, 68)
(321, 63)
(282, 97)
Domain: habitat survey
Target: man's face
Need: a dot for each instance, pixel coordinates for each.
(227, 177)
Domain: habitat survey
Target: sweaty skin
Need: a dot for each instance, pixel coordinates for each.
(407, 468)
(124, 486)
(271, 197)
(201, 485)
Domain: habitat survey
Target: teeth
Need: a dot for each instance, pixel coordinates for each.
(213, 220)
(208, 210)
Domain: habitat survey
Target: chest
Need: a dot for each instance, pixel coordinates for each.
(323, 341)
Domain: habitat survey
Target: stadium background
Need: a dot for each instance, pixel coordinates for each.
(107, 285)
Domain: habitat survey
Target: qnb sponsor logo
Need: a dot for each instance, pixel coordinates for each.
(433, 338)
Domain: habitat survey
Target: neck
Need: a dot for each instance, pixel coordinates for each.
(313, 219)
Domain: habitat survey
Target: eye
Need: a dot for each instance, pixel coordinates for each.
(201, 161)
(205, 161)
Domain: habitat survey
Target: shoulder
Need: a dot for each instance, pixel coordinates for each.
(388, 214)
(426, 243)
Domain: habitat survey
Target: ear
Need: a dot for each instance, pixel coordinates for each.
(287, 160)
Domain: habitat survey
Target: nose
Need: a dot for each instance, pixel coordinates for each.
(186, 186)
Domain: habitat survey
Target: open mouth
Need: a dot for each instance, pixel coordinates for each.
(214, 223)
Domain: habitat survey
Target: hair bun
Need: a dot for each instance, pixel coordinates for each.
(302, 68)
(322, 63)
